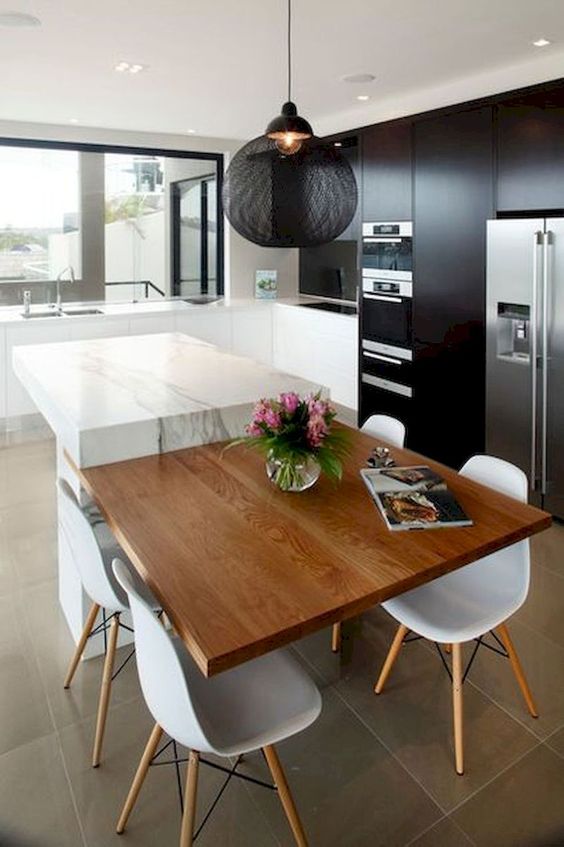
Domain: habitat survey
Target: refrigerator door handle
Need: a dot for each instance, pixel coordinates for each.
(537, 241)
(546, 242)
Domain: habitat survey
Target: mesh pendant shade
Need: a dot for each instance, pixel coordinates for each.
(301, 200)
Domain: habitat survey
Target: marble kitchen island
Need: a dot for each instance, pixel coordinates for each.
(110, 399)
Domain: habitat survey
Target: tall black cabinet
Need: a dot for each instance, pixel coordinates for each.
(530, 151)
(387, 172)
(453, 198)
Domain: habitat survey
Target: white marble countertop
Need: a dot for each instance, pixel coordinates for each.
(10, 315)
(110, 399)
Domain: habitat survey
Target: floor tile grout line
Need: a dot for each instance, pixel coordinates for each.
(506, 711)
(257, 806)
(497, 703)
(371, 730)
(493, 779)
(539, 632)
(58, 738)
(445, 812)
(471, 842)
(331, 686)
(554, 731)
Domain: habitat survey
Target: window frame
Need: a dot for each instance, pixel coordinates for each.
(88, 147)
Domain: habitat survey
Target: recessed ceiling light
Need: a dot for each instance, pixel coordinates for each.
(362, 97)
(191, 131)
(18, 19)
(358, 78)
(337, 144)
(128, 67)
(73, 120)
(541, 42)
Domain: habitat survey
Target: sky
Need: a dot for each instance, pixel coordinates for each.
(37, 187)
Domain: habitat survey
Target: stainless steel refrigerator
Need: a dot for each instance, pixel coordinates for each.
(525, 352)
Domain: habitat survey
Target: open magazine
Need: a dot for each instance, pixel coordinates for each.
(413, 498)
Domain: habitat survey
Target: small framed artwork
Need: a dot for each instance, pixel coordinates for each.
(266, 285)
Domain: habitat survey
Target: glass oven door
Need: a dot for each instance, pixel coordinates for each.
(387, 319)
(391, 257)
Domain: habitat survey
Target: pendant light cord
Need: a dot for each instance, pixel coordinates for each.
(289, 50)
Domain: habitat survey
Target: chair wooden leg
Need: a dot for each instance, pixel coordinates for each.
(285, 796)
(336, 637)
(190, 795)
(88, 627)
(139, 777)
(517, 669)
(391, 658)
(105, 690)
(457, 707)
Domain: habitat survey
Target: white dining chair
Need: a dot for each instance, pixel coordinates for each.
(471, 602)
(249, 708)
(93, 549)
(388, 429)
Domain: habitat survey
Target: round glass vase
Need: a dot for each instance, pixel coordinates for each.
(291, 475)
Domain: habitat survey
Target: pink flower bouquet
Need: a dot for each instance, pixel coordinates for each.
(297, 437)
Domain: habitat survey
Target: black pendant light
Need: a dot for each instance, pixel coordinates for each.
(287, 188)
(289, 130)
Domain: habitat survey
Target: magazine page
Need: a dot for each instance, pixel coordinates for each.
(414, 498)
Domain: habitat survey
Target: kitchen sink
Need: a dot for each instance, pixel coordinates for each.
(83, 311)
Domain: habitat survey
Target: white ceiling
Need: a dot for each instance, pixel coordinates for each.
(219, 67)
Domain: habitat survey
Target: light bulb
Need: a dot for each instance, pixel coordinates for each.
(289, 143)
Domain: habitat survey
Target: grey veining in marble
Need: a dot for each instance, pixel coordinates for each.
(110, 399)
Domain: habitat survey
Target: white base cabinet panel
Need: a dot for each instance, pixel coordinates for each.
(214, 327)
(318, 346)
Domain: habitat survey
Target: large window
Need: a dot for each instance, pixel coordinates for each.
(114, 221)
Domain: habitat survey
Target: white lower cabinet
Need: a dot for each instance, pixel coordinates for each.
(146, 324)
(208, 325)
(318, 346)
(100, 327)
(252, 333)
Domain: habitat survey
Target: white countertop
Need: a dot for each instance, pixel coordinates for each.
(109, 399)
(12, 315)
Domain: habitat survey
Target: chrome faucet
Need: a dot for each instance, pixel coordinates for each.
(59, 279)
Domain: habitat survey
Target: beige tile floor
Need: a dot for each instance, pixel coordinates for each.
(372, 771)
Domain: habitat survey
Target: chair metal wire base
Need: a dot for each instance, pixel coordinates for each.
(478, 642)
(230, 772)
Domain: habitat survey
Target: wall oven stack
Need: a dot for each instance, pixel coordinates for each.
(385, 319)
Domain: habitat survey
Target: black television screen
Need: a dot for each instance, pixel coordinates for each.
(330, 270)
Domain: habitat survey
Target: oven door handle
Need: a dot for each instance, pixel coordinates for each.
(387, 359)
(383, 297)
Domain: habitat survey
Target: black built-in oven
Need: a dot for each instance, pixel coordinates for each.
(386, 315)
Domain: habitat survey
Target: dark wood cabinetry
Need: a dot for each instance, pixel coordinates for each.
(530, 152)
(449, 171)
(387, 172)
(349, 146)
(453, 200)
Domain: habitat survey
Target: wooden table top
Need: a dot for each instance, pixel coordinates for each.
(242, 568)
